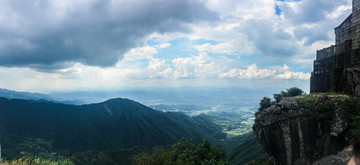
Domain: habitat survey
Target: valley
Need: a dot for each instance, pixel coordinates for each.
(50, 129)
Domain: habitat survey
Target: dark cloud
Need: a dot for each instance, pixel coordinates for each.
(311, 11)
(53, 34)
(315, 14)
(318, 32)
(270, 41)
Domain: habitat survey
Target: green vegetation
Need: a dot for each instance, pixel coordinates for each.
(38, 161)
(266, 102)
(307, 101)
(310, 151)
(291, 92)
(183, 152)
(243, 149)
(119, 157)
(41, 129)
(106, 133)
(235, 124)
(325, 112)
(352, 112)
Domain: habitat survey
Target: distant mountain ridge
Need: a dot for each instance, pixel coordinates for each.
(113, 124)
(22, 95)
(10, 94)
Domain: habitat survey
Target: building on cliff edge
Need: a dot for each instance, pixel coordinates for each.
(332, 63)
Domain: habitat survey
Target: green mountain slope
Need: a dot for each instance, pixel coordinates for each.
(244, 149)
(33, 127)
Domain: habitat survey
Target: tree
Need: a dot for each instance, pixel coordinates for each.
(294, 91)
(264, 103)
(183, 152)
(291, 92)
(278, 97)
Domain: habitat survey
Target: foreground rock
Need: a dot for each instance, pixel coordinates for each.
(293, 133)
(352, 77)
(338, 159)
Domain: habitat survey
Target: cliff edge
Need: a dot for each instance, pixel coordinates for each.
(305, 129)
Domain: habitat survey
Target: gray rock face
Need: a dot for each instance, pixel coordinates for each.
(293, 134)
(352, 77)
(337, 159)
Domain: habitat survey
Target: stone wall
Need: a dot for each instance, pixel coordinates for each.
(343, 32)
(328, 73)
(355, 21)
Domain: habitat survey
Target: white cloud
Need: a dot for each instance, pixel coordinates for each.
(274, 72)
(163, 45)
(293, 75)
(157, 69)
(230, 47)
(195, 67)
(280, 68)
(251, 72)
(146, 52)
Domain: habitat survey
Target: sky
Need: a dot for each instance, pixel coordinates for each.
(69, 45)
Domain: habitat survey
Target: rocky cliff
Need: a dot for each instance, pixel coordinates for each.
(352, 77)
(304, 129)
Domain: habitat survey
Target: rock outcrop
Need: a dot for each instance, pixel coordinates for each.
(337, 159)
(293, 133)
(352, 77)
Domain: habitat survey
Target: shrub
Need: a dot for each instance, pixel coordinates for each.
(352, 107)
(294, 91)
(307, 101)
(291, 92)
(325, 112)
(264, 103)
(183, 152)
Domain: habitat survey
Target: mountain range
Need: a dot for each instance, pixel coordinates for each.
(113, 124)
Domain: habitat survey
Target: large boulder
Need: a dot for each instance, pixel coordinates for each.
(293, 134)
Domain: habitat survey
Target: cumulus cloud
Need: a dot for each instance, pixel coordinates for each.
(274, 72)
(44, 34)
(156, 69)
(251, 72)
(293, 75)
(146, 52)
(195, 67)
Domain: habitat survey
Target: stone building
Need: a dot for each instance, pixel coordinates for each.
(337, 68)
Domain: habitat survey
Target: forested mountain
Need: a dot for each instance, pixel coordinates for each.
(36, 128)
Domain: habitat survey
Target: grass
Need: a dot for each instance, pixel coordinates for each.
(352, 112)
(308, 101)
